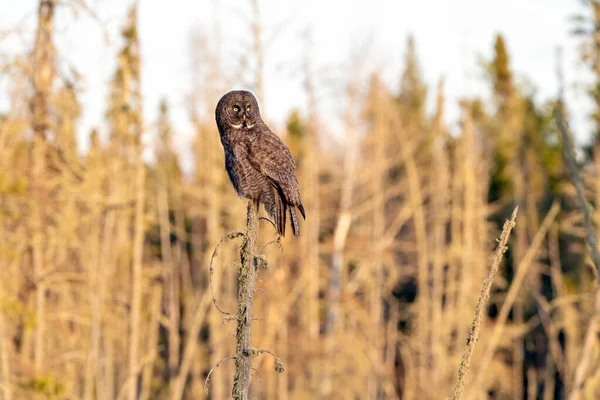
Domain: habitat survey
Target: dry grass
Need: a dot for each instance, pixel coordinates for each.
(465, 363)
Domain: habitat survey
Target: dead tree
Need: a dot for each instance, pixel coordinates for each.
(250, 262)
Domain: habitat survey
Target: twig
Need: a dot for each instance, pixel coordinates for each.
(278, 364)
(230, 236)
(229, 318)
(259, 377)
(276, 241)
(178, 383)
(463, 370)
(262, 290)
(575, 176)
(206, 383)
(587, 352)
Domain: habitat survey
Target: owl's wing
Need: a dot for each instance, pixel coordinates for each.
(270, 156)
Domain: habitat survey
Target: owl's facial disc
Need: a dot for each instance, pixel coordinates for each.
(239, 110)
(248, 116)
(242, 115)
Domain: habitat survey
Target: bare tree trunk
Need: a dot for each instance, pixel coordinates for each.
(454, 295)
(311, 197)
(587, 351)
(519, 249)
(340, 234)
(4, 362)
(213, 199)
(4, 356)
(96, 316)
(136, 267)
(423, 275)
(379, 163)
(248, 253)
(469, 273)
(43, 75)
(439, 213)
(43, 68)
(344, 220)
(136, 279)
(109, 365)
(178, 382)
(106, 263)
(171, 274)
(155, 305)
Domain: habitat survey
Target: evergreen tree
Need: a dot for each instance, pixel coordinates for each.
(165, 153)
(413, 91)
(296, 133)
(68, 112)
(501, 74)
(505, 126)
(124, 99)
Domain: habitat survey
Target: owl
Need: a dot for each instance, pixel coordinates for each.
(258, 163)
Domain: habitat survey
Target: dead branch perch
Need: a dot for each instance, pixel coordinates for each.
(246, 279)
(250, 263)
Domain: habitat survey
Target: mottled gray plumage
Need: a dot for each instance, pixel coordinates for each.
(258, 163)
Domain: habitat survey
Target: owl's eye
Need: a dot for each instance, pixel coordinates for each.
(236, 109)
(248, 109)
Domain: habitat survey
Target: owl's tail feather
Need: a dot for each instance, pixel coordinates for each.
(301, 208)
(280, 214)
(294, 220)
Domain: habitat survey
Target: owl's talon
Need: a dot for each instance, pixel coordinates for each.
(268, 220)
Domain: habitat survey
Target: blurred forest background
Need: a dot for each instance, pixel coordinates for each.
(104, 253)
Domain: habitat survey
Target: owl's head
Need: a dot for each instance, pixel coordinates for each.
(237, 109)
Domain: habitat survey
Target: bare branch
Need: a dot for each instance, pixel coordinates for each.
(278, 363)
(575, 176)
(206, 382)
(262, 290)
(276, 241)
(230, 236)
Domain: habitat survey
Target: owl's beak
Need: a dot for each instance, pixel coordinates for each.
(244, 117)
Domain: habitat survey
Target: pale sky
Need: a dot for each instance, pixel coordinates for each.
(451, 38)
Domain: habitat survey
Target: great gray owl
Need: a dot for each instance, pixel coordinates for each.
(258, 163)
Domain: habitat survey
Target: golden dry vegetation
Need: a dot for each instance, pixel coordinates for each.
(104, 256)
